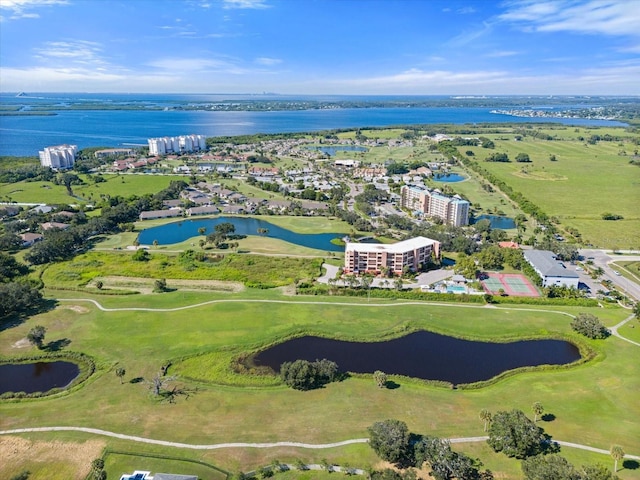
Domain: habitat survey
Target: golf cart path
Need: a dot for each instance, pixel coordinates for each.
(216, 446)
(614, 330)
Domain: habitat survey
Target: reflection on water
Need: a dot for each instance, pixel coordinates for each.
(424, 355)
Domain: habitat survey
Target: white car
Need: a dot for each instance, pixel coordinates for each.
(616, 272)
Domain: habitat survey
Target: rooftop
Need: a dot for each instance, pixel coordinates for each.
(399, 247)
(545, 262)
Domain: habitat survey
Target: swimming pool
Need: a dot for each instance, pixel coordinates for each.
(456, 289)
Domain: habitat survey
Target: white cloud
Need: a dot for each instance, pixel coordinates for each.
(21, 8)
(186, 64)
(471, 36)
(596, 81)
(415, 78)
(244, 4)
(606, 17)
(502, 54)
(466, 10)
(266, 61)
(71, 52)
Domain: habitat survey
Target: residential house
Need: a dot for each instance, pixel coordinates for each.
(146, 475)
(233, 209)
(54, 226)
(152, 214)
(30, 238)
(204, 210)
(172, 203)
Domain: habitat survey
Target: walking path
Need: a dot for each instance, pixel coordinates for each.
(299, 302)
(614, 329)
(217, 446)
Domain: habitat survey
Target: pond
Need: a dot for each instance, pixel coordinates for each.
(331, 151)
(424, 355)
(448, 177)
(37, 376)
(497, 221)
(181, 231)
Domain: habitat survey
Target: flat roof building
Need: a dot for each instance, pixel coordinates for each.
(181, 144)
(394, 258)
(551, 270)
(451, 210)
(59, 157)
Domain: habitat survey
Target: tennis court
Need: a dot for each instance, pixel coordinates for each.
(513, 284)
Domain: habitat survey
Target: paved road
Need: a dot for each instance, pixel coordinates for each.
(216, 446)
(602, 259)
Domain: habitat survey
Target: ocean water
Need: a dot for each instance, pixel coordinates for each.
(26, 135)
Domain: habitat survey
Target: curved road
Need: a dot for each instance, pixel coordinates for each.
(216, 446)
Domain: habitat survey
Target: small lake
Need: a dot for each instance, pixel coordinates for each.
(331, 151)
(498, 221)
(37, 376)
(448, 177)
(181, 231)
(424, 355)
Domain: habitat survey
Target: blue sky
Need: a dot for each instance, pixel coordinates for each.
(412, 47)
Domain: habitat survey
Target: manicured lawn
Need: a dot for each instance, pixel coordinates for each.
(115, 464)
(593, 404)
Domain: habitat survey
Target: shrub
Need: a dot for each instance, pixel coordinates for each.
(589, 326)
(305, 375)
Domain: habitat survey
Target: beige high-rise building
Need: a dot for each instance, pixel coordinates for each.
(452, 210)
(376, 257)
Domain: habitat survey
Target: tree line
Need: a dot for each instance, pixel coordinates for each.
(510, 432)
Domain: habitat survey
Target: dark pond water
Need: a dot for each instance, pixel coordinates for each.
(498, 221)
(36, 377)
(331, 151)
(181, 231)
(448, 177)
(424, 355)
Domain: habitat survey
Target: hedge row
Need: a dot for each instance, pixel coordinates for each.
(306, 289)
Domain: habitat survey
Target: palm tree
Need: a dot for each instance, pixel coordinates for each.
(617, 453)
(485, 416)
(538, 409)
(366, 282)
(120, 372)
